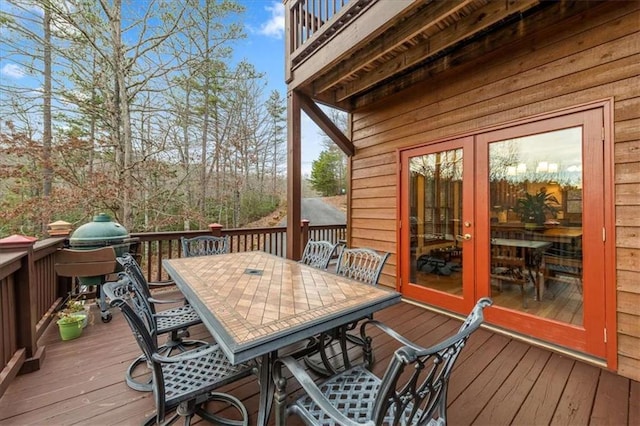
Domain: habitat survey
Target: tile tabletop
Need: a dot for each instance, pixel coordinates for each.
(253, 298)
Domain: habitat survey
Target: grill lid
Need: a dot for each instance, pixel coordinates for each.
(101, 231)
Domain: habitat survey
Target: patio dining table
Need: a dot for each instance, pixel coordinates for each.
(255, 303)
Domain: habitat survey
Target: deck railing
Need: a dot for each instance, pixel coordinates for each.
(31, 292)
(312, 22)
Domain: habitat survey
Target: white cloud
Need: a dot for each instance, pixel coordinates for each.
(274, 27)
(13, 71)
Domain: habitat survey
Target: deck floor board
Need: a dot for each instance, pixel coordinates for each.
(497, 380)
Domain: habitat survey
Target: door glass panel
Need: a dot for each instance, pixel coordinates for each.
(435, 201)
(536, 224)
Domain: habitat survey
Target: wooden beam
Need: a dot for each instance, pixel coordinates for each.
(294, 176)
(378, 17)
(428, 17)
(474, 54)
(320, 118)
(478, 21)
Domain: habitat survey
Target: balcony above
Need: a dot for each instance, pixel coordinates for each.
(346, 53)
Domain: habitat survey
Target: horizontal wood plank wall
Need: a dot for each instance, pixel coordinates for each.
(592, 56)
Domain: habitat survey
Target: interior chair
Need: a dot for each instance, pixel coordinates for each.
(184, 382)
(563, 266)
(412, 391)
(173, 322)
(361, 264)
(204, 245)
(318, 253)
(508, 264)
(95, 264)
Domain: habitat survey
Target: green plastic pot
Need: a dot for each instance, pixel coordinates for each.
(83, 317)
(70, 328)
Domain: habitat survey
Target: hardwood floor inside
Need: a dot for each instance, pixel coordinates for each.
(561, 298)
(497, 380)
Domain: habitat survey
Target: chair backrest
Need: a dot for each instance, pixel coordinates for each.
(414, 387)
(141, 325)
(361, 264)
(85, 263)
(507, 256)
(204, 245)
(138, 282)
(318, 253)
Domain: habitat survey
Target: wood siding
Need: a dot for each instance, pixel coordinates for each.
(591, 56)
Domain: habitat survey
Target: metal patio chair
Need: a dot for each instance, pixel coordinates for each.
(173, 322)
(318, 253)
(412, 391)
(205, 245)
(360, 264)
(184, 382)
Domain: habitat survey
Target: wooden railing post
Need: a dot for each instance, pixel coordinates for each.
(25, 302)
(304, 235)
(216, 229)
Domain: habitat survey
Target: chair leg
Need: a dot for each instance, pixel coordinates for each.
(324, 367)
(187, 409)
(230, 401)
(344, 336)
(280, 397)
(135, 384)
(145, 385)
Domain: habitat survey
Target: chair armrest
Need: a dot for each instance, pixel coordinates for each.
(160, 284)
(473, 322)
(315, 394)
(391, 332)
(161, 301)
(188, 355)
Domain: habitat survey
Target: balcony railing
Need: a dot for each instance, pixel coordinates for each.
(313, 22)
(31, 292)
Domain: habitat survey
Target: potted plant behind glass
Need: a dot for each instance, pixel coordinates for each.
(533, 208)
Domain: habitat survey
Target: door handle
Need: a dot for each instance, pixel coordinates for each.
(465, 237)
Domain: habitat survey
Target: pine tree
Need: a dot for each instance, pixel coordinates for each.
(326, 172)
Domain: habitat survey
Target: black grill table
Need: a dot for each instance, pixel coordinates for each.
(255, 304)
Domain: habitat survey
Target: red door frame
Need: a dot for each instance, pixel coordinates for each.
(590, 337)
(441, 299)
(603, 320)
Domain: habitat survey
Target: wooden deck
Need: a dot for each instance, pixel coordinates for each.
(497, 380)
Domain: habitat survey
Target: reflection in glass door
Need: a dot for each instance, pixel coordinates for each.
(541, 228)
(438, 233)
(517, 214)
(536, 224)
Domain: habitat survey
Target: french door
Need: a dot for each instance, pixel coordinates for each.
(438, 205)
(516, 214)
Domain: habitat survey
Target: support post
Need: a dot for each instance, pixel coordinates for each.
(25, 302)
(294, 172)
(216, 229)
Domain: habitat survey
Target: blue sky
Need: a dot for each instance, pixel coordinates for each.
(263, 47)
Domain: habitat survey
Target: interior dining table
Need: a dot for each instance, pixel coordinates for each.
(534, 258)
(255, 304)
